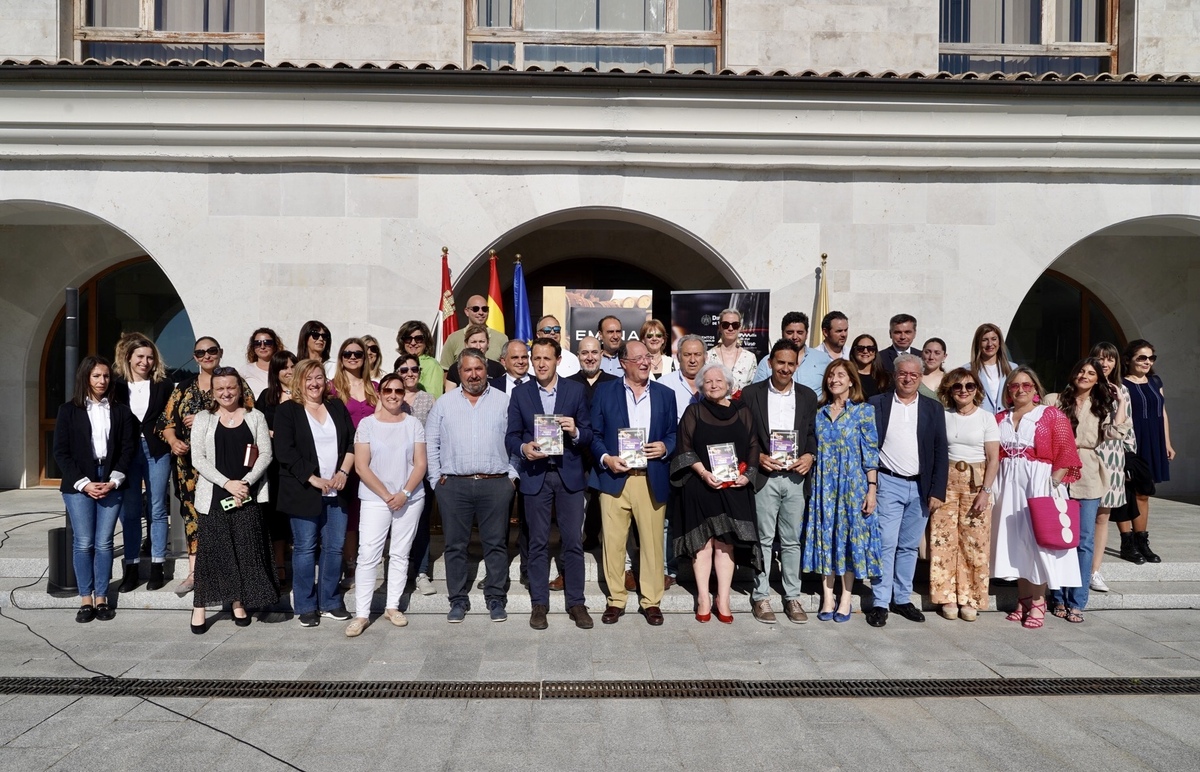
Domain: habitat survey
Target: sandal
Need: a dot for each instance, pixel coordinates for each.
(1075, 615)
(1018, 614)
(1031, 622)
(1060, 611)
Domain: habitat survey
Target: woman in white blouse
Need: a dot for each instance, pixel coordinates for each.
(961, 529)
(729, 352)
(990, 365)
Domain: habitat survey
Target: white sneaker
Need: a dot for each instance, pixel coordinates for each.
(1097, 584)
(425, 585)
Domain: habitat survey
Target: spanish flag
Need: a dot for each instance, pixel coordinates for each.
(495, 317)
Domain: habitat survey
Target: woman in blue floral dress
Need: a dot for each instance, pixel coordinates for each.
(840, 536)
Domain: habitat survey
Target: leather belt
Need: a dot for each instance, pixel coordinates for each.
(478, 476)
(636, 472)
(909, 478)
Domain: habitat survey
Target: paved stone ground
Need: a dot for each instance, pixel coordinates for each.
(1092, 733)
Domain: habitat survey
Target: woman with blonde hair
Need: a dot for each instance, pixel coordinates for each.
(354, 388)
(740, 362)
(654, 335)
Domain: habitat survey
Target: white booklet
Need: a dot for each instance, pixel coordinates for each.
(548, 434)
(722, 458)
(631, 446)
(783, 446)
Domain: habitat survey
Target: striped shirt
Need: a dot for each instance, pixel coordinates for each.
(462, 438)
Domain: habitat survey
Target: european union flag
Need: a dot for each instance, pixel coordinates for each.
(522, 322)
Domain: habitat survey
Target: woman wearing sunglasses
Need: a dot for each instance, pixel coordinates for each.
(374, 367)
(389, 455)
(418, 403)
(314, 343)
(873, 378)
(739, 361)
(1037, 450)
(414, 338)
(262, 346)
(961, 529)
(357, 393)
(1152, 430)
(175, 427)
(654, 335)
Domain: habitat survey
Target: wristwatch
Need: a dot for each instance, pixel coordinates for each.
(986, 490)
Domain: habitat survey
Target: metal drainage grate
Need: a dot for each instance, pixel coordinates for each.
(559, 690)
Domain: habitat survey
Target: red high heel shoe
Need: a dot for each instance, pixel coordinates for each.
(703, 617)
(724, 619)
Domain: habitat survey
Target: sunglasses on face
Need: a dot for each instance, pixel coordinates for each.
(650, 335)
(731, 325)
(352, 355)
(1015, 387)
(264, 343)
(406, 369)
(864, 349)
(964, 387)
(317, 335)
(414, 339)
(392, 390)
(550, 330)
(477, 309)
(211, 351)
(1144, 358)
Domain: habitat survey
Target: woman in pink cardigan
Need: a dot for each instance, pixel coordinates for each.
(1037, 451)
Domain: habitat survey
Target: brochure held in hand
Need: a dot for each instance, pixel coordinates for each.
(631, 446)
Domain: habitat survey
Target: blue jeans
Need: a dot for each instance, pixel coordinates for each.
(1077, 597)
(902, 519)
(154, 472)
(93, 523)
(330, 526)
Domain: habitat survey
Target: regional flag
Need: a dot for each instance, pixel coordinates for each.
(446, 307)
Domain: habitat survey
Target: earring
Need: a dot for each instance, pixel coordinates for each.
(1036, 399)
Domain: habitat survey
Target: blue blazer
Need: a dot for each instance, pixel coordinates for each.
(931, 441)
(523, 404)
(609, 413)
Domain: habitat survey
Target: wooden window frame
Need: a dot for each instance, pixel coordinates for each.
(145, 32)
(1048, 46)
(668, 39)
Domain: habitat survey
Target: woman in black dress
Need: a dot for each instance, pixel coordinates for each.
(279, 389)
(865, 354)
(718, 528)
(231, 450)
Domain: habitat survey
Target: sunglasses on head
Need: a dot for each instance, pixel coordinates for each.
(392, 390)
(211, 351)
(965, 387)
(550, 330)
(1144, 358)
(476, 309)
(731, 325)
(318, 335)
(406, 369)
(352, 355)
(264, 343)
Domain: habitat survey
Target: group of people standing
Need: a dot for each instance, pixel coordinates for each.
(836, 456)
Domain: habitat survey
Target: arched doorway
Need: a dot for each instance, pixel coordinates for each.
(601, 248)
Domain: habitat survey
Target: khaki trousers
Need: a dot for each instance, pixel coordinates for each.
(635, 503)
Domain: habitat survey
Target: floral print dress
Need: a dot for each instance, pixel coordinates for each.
(838, 537)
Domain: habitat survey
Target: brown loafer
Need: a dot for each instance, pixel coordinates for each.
(630, 581)
(556, 584)
(611, 615)
(668, 581)
(795, 612)
(653, 615)
(583, 620)
(537, 620)
(762, 611)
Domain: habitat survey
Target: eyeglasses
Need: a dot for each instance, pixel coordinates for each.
(964, 387)
(211, 351)
(731, 325)
(905, 376)
(373, 349)
(391, 390)
(550, 330)
(264, 343)
(865, 349)
(476, 309)
(352, 355)
(405, 370)
(318, 335)
(1015, 387)
(1144, 358)
(650, 335)
(642, 358)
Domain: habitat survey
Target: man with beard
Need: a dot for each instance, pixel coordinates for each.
(471, 475)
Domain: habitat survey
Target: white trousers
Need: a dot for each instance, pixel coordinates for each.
(375, 522)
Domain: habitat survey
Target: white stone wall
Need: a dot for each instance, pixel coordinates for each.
(822, 35)
(29, 29)
(1167, 36)
(357, 31)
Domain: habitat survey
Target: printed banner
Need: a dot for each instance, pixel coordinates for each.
(696, 312)
(586, 307)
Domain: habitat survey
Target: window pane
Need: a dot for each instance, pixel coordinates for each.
(493, 13)
(991, 21)
(112, 13)
(1045, 332)
(560, 14)
(187, 52)
(209, 15)
(695, 15)
(692, 58)
(1064, 65)
(493, 55)
(633, 15)
(1081, 21)
(628, 58)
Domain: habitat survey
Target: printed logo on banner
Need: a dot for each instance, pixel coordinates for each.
(698, 313)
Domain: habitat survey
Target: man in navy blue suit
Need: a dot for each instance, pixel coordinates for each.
(630, 491)
(515, 360)
(913, 466)
(551, 482)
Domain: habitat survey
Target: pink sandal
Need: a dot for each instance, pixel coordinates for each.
(1019, 613)
(1031, 622)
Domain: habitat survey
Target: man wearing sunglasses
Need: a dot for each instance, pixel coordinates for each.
(550, 327)
(914, 465)
(476, 312)
(811, 363)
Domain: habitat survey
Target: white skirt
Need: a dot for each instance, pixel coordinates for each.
(1015, 551)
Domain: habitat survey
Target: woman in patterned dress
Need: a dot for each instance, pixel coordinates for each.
(739, 361)
(175, 428)
(1118, 440)
(1153, 431)
(840, 536)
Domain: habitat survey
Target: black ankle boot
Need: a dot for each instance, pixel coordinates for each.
(1129, 550)
(156, 577)
(1142, 540)
(129, 581)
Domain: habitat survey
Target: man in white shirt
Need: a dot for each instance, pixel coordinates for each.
(691, 355)
(835, 331)
(549, 327)
(515, 361)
